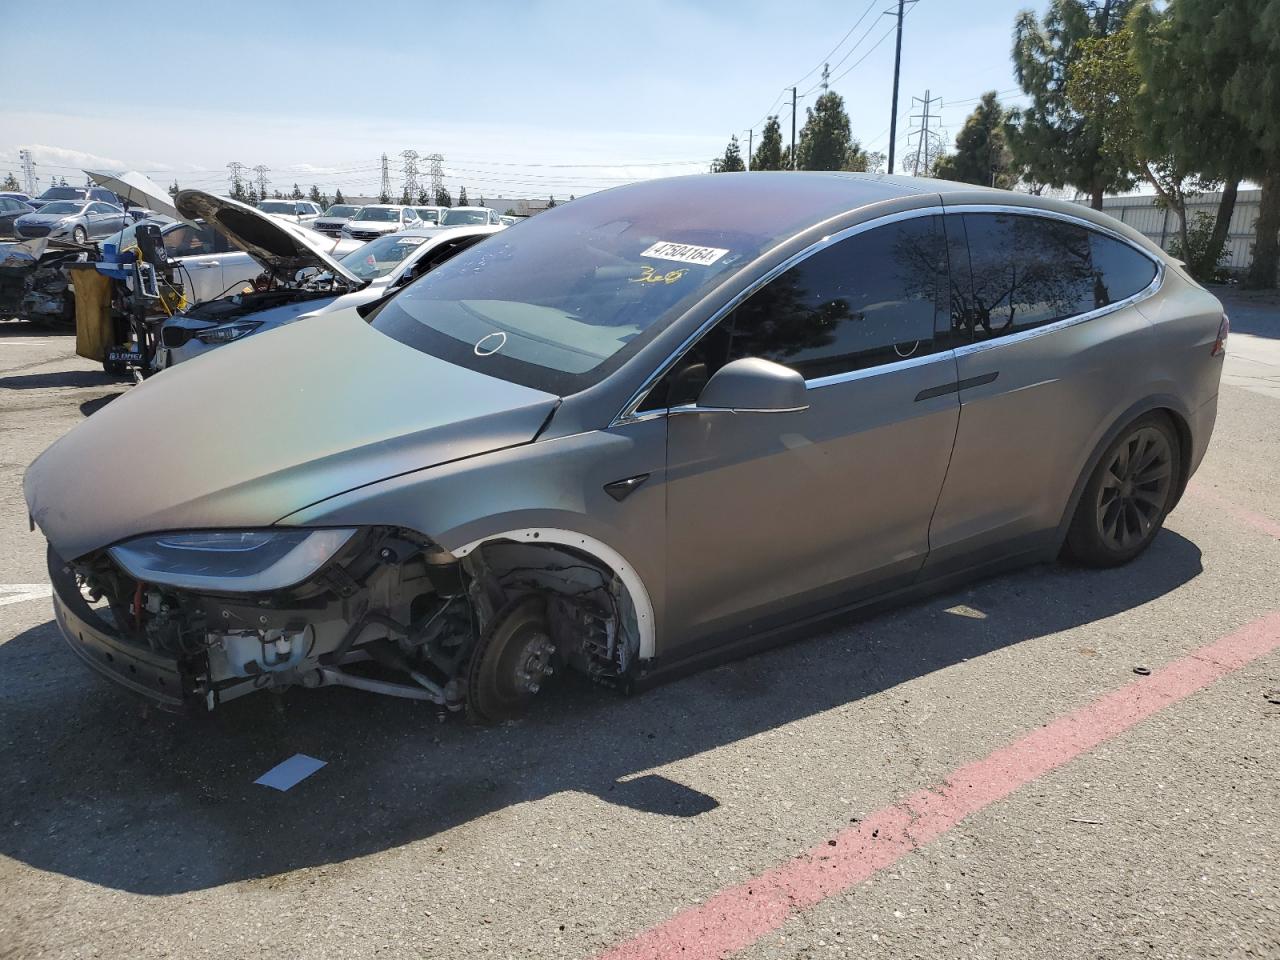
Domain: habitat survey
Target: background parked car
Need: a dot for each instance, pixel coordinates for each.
(75, 193)
(299, 211)
(15, 195)
(397, 259)
(468, 216)
(331, 222)
(429, 215)
(11, 210)
(75, 220)
(376, 219)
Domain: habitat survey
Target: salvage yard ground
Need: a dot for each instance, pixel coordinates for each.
(1145, 821)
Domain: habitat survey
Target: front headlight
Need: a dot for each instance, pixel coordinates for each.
(238, 561)
(228, 331)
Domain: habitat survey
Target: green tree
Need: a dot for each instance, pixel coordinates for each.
(1105, 87)
(10, 182)
(768, 155)
(251, 196)
(482, 203)
(462, 196)
(442, 198)
(314, 194)
(825, 141)
(982, 154)
(1211, 94)
(1049, 138)
(731, 162)
(296, 194)
(551, 202)
(509, 212)
(174, 188)
(424, 197)
(338, 197)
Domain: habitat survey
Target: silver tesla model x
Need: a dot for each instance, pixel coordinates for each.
(649, 428)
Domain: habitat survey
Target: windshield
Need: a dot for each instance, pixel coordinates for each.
(63, 206)
(277, 206)
(431, 216)
(455, 218)
(563, 301)
(379, 257)
(62, 193)
(379, 214)
(340, 210)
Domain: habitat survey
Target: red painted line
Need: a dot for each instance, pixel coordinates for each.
(1250, 518)
(738, 916)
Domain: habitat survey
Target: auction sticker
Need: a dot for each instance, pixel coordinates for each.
(684, 253)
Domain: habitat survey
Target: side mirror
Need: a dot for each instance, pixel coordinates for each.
(753, 384)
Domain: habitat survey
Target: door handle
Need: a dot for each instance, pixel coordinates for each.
(956, 386)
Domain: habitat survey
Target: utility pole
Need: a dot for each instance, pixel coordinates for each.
(751, 139)
(262, 170)
(897, 65)
(28, 171)
(793, 128)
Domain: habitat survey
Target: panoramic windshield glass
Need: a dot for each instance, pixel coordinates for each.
(431, 216)
(454, 218)
(62, 206)
(62, 193)
(564, 300)
(379, 215)
(340, 210)
(379, 257)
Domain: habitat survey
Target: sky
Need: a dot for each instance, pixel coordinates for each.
(522, 99)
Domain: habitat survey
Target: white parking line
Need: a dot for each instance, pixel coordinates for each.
(18, 592)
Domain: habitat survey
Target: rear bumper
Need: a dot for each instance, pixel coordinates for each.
(162, 680)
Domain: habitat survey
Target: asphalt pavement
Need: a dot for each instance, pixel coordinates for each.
(980, 774)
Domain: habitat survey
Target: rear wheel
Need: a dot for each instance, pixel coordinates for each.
(1128, 496)
(511, 662)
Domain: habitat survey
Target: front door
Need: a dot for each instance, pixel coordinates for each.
(774, 515)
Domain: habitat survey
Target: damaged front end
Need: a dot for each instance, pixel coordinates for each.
(192, 621)
(33, 284)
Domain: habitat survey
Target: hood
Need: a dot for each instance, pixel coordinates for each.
(283, 247)
(39, 217)
(256, 430)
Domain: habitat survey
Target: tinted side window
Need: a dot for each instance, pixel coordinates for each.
(1119, 271)
(1026, 271)
(871, 299)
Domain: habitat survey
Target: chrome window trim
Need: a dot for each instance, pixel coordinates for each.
(628, 413)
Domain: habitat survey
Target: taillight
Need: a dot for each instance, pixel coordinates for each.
(1220, 345)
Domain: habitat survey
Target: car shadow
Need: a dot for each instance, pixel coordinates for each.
(60, 378)
(13, 327)
(90, 407)
(94, 787)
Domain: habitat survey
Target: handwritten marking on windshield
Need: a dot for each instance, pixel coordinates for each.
(649, 275)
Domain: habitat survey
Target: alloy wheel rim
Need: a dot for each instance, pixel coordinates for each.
(1135, 488)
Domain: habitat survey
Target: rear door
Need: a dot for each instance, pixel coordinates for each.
(1053, 357)
(770, 515)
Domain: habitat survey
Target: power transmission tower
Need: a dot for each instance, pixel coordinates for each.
(897, 66)
(928, 142)
(410, 158)
(262, 170)
(385, 194)
(437, 175)
(235, 177)
(28, 172)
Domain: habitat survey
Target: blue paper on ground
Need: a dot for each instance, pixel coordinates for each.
(290, 773)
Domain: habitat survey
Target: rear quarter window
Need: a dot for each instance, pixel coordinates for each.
(1119, 270)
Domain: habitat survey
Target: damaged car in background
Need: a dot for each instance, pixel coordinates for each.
(663, 424)
(299, 273)
(34, 285)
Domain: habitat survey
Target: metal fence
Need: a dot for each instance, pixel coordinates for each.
(1161, 226)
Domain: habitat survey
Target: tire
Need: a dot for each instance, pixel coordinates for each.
(79, 235)
(1131, 491)
(114, 368)
(510, 663)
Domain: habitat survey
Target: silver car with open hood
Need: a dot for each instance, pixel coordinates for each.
(657, 426)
